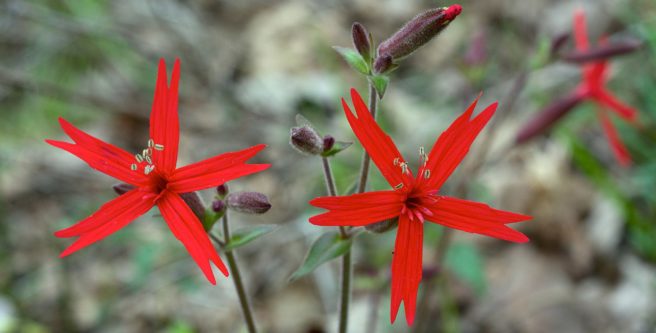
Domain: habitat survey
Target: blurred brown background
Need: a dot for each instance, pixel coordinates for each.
(248, 67)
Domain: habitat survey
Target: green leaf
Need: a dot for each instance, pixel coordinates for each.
(337, 147)
(465, 261)
(210, 219)
(380, 82)
(354, 59)
(246, 235)
(327, 247)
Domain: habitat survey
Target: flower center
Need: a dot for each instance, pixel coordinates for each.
(145, 159)
(416, 206)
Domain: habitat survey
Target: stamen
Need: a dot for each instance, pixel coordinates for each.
(133, 167)
(149, 160)
(396, 161)
(426, 174)
(399, 186)
(148, 169)
(159, 147)
(151, 143)
(421, 151)
(404, 167)
(139, 158)
(145, 152)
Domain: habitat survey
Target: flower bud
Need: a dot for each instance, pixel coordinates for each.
(122, 188)
(384, 226)
(195, 203)
(222, 190)
(603, 51)
(383, 63)
(248, 202)
(418, 31)
(328, 143)
(218, 206)
(306, 140)
(547, 117)
(361, 40)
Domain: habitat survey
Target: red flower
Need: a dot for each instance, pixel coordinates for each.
(593, 87)
(415, 199)
(157, 180)
(595, 75)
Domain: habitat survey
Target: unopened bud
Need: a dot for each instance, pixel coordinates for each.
(418, 31)
(218, 206)
(383, 63)
(122, 188)
(547, 117)
(384, 226)
(603, 51)
(328, 143)
(306, 140)
(195, 203)
(222, 190)
(361, 40)
(558, 42)
(248, 202)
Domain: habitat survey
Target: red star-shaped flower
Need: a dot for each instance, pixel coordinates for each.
(593, 88)
(415, 199)
(157, 180)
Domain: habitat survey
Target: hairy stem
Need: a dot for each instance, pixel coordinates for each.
(236, 277)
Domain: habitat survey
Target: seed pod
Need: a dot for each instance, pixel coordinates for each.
(306, 140)
(361, 41)
(547, 117)
(418, 31)
(248, 202)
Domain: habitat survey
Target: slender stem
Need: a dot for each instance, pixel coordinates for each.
(236, 277)
(345, 291)
(366, 160)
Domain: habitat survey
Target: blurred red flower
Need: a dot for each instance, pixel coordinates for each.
(415, 199)
(593, 87)
(157, 180)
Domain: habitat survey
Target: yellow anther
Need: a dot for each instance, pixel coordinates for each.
(399, 186)
(138, 158)
(158, 147)
(133, 167)
(151, 143)
(426, 174)
(396, 161)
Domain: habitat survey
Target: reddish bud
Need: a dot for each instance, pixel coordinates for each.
(222, 190)
(361, 40)
(547, 117)
(383, 64)
(306, 140)
(603, 51)
(195, 203)
(418, 31)
(328, 143)
(218, 206)
(558, 42)
(122, 188)
(248, 202)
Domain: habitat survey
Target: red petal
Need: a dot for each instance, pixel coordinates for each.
(164, 126)
(477, 218)
(217, 163)
(105, 158)
(111, 217)
(378, 145)
(623, 110)
(619, 150)
(580, 31)
(107, 212)
(406, 267)
(452, 146)
(188, 229)
(358, 209)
